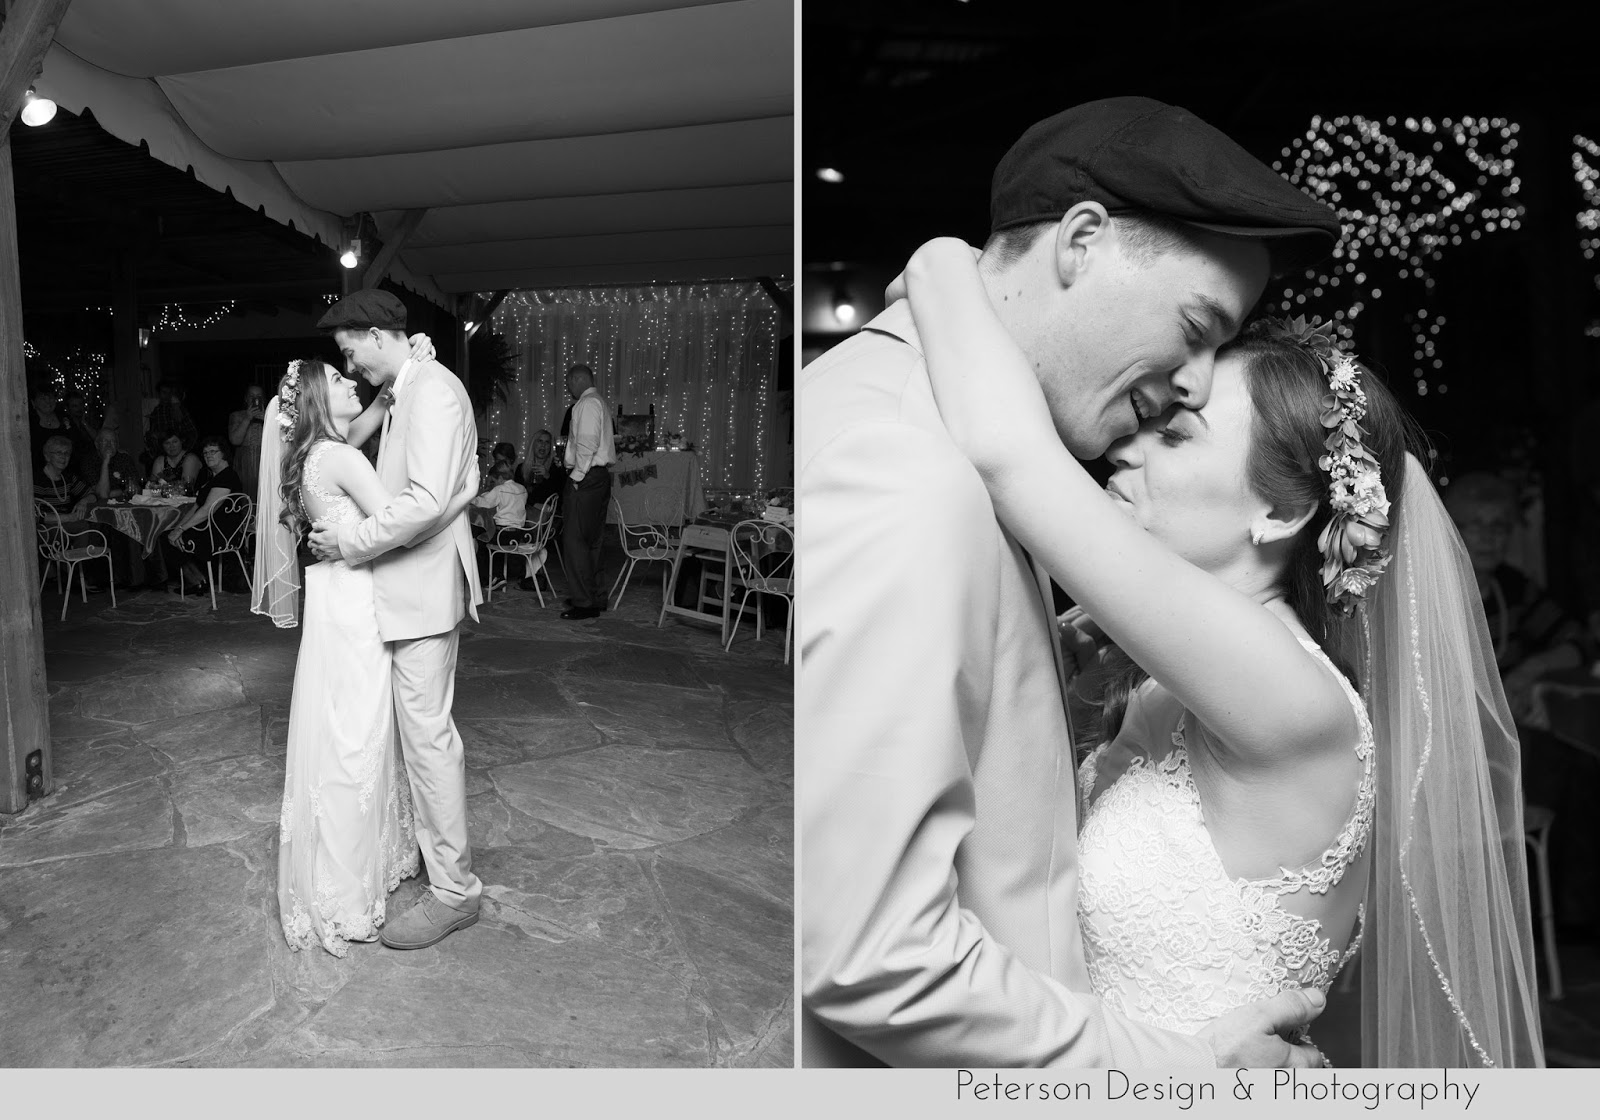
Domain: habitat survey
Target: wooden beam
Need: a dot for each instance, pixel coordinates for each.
(463, 367)
(482, 317)
(784, 300)
(29, 28)
(380, 267)
(127, 383)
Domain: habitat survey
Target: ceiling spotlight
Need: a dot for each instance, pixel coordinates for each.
(351, 256)
(830, 174)
(37, 110)
(469, 326)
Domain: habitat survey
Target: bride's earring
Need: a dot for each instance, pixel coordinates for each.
(1255, 536)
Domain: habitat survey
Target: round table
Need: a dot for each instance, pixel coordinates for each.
(146, 524)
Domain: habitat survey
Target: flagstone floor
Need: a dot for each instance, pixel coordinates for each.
(630, 800)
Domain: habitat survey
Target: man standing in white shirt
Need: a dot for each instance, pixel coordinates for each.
(591, 450)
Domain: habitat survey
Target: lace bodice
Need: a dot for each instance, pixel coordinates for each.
(1170, 937)
(340, 509)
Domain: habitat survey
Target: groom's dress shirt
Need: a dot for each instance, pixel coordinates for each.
(935, 777)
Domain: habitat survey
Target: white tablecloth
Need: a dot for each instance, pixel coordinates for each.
(662, 487)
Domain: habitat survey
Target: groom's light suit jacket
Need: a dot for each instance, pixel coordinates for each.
(424, 574)
(938, 820)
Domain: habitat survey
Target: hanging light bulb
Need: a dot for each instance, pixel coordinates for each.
(352, 255)
(844, 309)
(37, 110)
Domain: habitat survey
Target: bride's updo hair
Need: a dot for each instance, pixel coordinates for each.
(313, 421)
(1289, 392)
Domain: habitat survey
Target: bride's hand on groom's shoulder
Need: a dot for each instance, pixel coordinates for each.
(897, 287)
(1081, 640)
(1251, 1037)
(422, 348)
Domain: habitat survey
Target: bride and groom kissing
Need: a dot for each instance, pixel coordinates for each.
(375, 768)
(1302, 747)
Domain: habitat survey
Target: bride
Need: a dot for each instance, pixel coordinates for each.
(1304, 747)
(345, 834)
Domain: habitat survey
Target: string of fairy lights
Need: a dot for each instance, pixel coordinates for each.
(704, 356)
(1588, 179)
(1406, 190)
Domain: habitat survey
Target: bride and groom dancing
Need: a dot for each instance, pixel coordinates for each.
(376, 667)
(1302, 745)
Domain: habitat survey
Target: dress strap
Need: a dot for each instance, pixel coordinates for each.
(313, 471)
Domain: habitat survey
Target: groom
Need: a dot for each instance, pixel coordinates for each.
(935, 776)
(425, 581)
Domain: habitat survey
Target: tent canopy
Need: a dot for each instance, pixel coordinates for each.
(553, 143)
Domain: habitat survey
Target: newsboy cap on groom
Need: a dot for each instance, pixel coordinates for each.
(368, 307)
(1137, 154)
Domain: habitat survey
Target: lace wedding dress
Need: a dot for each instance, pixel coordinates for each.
(1169, 936)
(345, 836)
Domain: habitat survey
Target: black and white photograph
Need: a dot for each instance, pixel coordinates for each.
(397, 506)
(1200, 649)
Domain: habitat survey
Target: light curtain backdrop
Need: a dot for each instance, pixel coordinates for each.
(705, 355)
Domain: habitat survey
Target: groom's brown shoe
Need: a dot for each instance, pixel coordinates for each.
(427, 923)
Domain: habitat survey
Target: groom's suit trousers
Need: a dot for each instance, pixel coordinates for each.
(425, 580)
(424, 689)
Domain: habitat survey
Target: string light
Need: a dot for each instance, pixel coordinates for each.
(688, 349)
(79, 370)
(1589, 217)
(173, 318)
(1405, 191)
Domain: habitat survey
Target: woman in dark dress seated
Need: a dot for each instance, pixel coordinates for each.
(189, 543)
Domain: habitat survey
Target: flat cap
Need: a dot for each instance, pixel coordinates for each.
(1134, 153)
(368, 307)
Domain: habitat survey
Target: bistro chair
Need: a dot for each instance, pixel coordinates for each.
(754, 546)
(532, 541)
(227, 535)
(652, 540)
(63, 549)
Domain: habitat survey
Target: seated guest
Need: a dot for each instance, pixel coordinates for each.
(542, 473)
(64, 490)
(1532, 633)
(119, 475)
(58, 486)
(189, 543)
(175, 464)
(505, 453)
(507, 501)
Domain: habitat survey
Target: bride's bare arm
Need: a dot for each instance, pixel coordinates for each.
(363, 426)
(1225, 656)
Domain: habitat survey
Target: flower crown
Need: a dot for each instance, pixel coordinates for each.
(289, 397)
(1353, 541)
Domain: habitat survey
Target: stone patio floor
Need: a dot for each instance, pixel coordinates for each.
(630, 800)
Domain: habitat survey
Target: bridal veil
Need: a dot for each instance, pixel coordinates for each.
(1447, 957)
(276, 591)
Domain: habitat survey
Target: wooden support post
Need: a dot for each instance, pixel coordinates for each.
(126, 398)
(29, 27)
(408, 225)
(463, 368)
